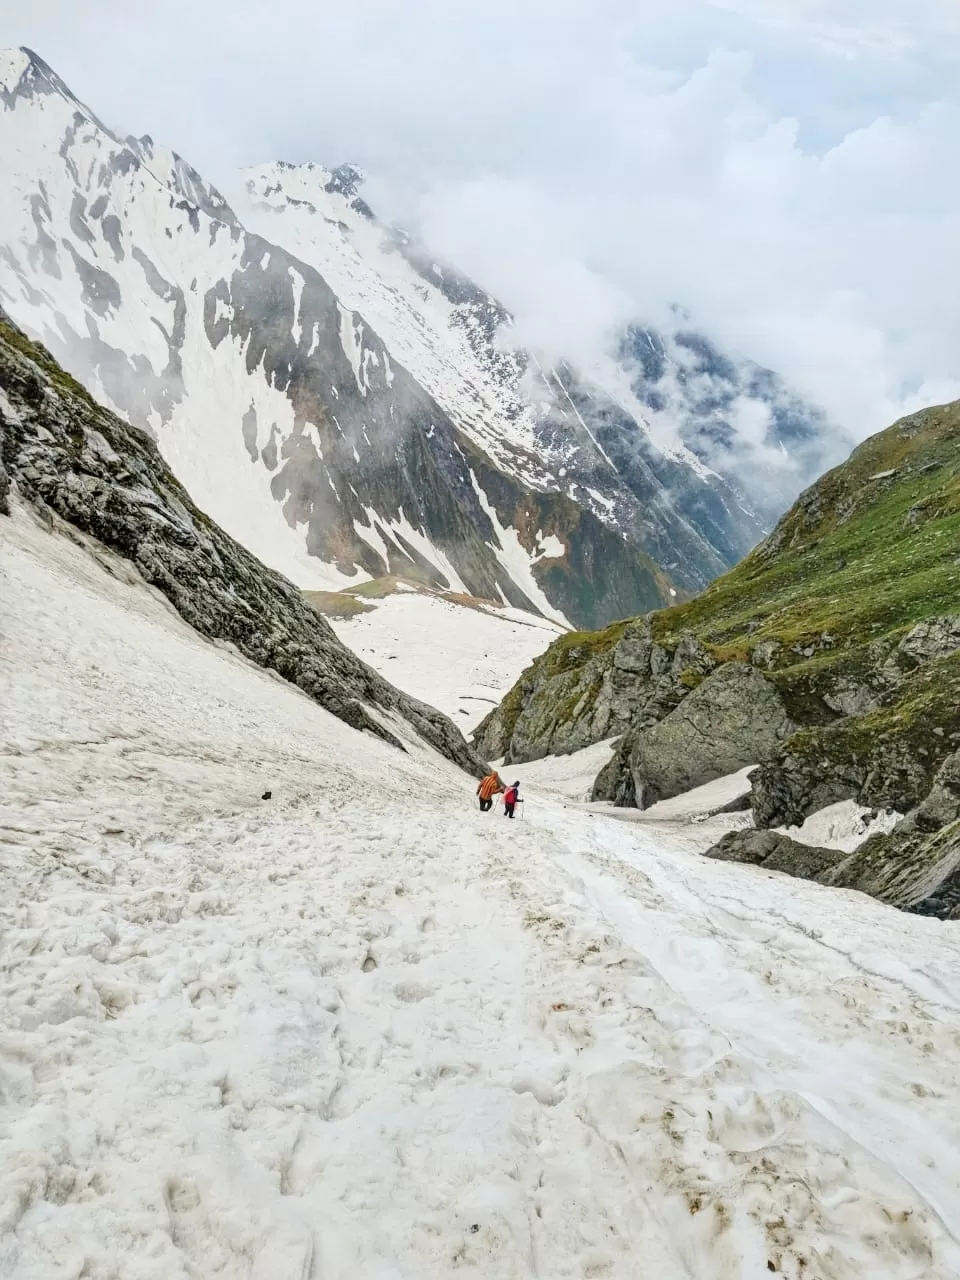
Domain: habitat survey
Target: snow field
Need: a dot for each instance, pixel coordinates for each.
(458, 658)
(571, 776)
(363, 1031)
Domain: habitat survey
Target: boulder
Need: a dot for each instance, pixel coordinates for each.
(775, 852)
(734, 718)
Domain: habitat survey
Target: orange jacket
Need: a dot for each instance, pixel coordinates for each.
(490, 786)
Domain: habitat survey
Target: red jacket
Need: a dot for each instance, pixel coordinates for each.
(511, 796)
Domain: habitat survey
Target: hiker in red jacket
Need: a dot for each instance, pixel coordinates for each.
(511, 798)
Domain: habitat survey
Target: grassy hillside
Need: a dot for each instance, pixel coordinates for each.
(873, 546)
(825, 608)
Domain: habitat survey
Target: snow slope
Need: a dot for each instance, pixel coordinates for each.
(313, 217)
(362, 1031)
(460, 658)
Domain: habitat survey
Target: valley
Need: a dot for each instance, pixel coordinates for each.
(299, 541)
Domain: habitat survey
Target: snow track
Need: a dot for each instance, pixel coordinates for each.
(361, 1030)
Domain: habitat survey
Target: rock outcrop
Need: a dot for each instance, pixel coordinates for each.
(915, 867)
(775, 852)
(73, 460)
(732, 719)
(886, 758)
(591, 686)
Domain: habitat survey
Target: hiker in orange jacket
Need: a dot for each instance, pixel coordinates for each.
(490, 786)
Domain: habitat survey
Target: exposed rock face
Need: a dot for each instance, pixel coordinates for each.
(907, 868)
(68, 456)
(942, 805)
(586, 689)
(886, 758)
(733, 719)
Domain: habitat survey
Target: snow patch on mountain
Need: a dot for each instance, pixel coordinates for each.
(303, 208)
(459, 656)
(517, 557)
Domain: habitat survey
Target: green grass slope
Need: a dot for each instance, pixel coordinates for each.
(822, 607)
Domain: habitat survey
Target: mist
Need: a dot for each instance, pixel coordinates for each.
(785, 170)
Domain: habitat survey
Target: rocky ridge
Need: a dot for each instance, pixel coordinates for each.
(83, 468)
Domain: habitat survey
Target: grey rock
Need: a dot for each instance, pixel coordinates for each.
(576, 695)
(775, 852)
(942, 804)
(932, 638)
(734, 718)
(911, 869)
(765, 653)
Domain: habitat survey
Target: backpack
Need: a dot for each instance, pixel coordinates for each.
(511, 796)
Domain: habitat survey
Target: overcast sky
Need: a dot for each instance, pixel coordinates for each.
(788, 170)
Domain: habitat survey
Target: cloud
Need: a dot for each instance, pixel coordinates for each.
(785, 169)
(886, 29)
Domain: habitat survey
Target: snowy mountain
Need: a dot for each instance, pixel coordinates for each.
(690, 451)
(327, 392)
(587, 434)
(279, 406)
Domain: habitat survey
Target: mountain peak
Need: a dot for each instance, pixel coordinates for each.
(24, 73)
(345, 180)
(13, 63)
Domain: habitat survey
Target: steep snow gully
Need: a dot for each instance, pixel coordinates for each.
(360, 1030)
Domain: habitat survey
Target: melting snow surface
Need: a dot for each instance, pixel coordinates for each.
(844, 825)
(362, 1030)
(571, 776)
